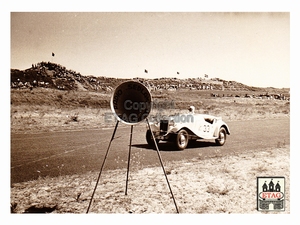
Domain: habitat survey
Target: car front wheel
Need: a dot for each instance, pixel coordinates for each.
(182, 139)
(149, 139)
(222, 137)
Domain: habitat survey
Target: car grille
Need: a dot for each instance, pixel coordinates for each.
(164, 125)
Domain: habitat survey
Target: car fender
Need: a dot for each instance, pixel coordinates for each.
(154, 127)
(222, 124)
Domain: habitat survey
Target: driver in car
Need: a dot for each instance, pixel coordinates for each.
(192, 109)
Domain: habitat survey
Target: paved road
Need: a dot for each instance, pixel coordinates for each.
(71, 152)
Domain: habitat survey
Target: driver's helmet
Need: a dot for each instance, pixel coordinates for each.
(192, 109)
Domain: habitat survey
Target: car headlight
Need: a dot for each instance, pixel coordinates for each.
(172, 123)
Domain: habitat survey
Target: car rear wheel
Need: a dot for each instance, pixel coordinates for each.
(149, 139)
(182, 139)
(222, 137)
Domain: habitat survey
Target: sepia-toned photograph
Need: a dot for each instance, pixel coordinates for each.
(150, 112)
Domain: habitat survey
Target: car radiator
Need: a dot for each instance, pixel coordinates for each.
(164, 124)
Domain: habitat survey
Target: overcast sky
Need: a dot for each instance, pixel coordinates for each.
(252, 48)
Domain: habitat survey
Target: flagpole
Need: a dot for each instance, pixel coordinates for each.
(52, 56)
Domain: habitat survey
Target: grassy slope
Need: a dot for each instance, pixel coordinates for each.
(49, 109)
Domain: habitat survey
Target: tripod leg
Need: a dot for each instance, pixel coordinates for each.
(113, 135)
(128, 163)
(161, 163)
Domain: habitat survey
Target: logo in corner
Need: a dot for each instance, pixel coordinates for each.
(270, 194)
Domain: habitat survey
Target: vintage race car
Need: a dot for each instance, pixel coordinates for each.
(184, 128)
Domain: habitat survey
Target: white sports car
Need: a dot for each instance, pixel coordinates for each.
(184, 128)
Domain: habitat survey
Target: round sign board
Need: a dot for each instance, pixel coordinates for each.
(131, 102)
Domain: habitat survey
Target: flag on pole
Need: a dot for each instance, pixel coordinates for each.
(53, 54)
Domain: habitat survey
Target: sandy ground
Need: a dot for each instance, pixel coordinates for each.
(224, 184)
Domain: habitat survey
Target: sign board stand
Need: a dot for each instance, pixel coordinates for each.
(128, 165)
(131, 104)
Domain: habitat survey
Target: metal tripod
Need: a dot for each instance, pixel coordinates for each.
(128, 164)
